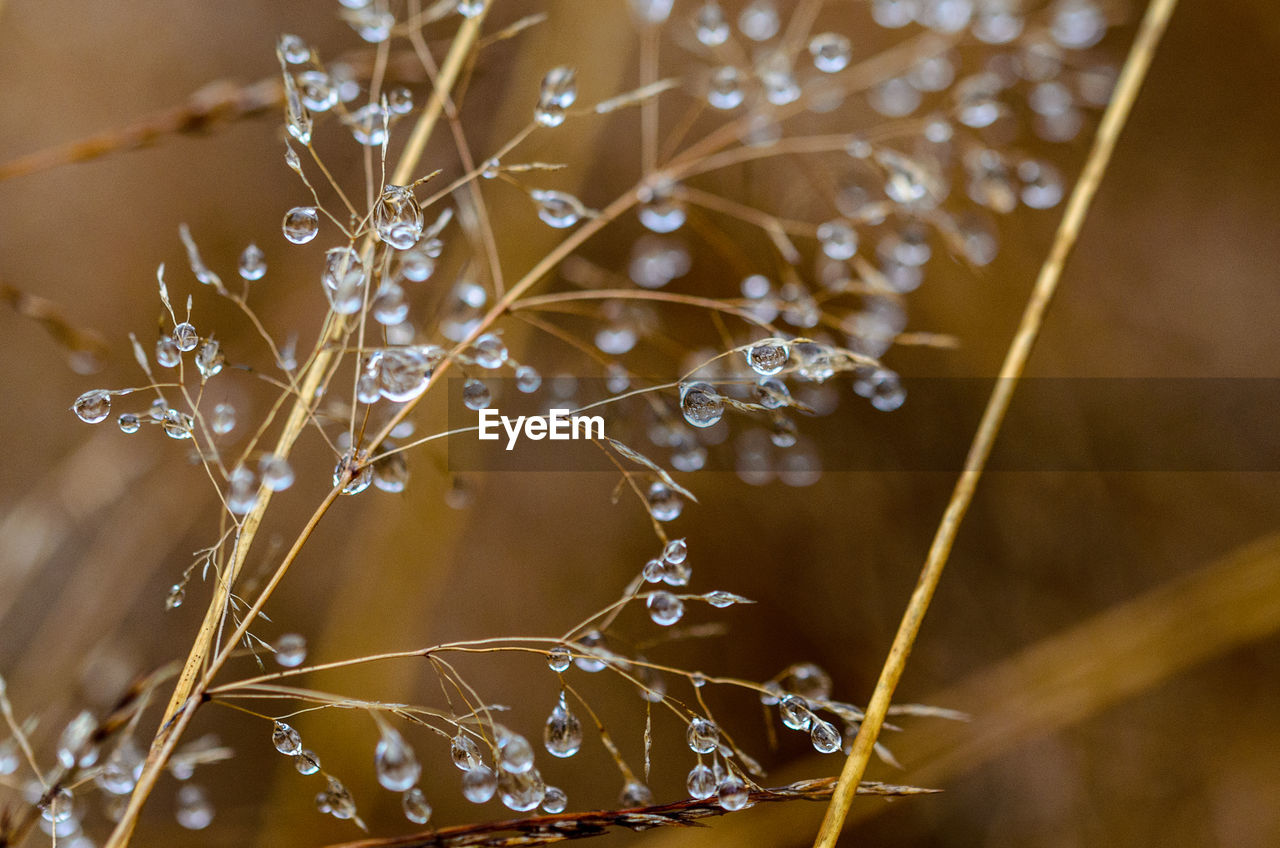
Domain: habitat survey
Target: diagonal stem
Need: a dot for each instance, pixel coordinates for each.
(1135, 70)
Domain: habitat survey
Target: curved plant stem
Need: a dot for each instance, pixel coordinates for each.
(1135, 69)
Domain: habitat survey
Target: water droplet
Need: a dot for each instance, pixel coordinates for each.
(416, 808)
(554, 801)
(523, 791)
(651, 11)
(725, 90)
(515, 754)
(772, 393)
(470, 8)
(336, 800)
(1042, 186)
(759, 21)
(733, 793)
(167, 353)
(297, 119)
(286, 739)
(372, 24)
(665, 608)
(635, 794)
(563, 732)
(528, 379)
(830, 51)
(177, 425)
(558, 209)
(194, 809)
(317, 91)
(676, 573)
(653, 570)
(290, 648)
(703, 736)
(224, 419)
(721, 599)
(400, 100)
(826, 739)
(391, 474)
(128, 422)
(476, 395)
(592, 644)
(882, 387)
(301, 223)
(701, 782)
(479, 784)
(559, 659)
(839, 240)
(393, 760)
(1077, 24)
(465, 752)
(176, 595)
(121, 770)
(710, 25)
(252, 265)
(489, 351)
(701, 405)
(795, 712)
(361, 479)
(294, 50)
(946, 16)
(398, 217)
(209, 359)
(768, 358)
(664, 503)
(73, 746)
(558, 92)
(660, 212)
(307, 762)
(368, 125)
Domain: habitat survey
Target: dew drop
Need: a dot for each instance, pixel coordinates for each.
(479, 784)
(772, 393)
(839, 240)
(701, 405)
(635, 794)
(528, 379)
(554, 800)
(489, 351)
(361, 479)
(710, 25)
(294, 50)
(768, 358)
(825, 737)
(470, 8)
(209, 358)
(307, 762)
(830, 51)
(194, 809)
(808, 680)
(703, 736)
(291, 648)
(185, 337)
(176, 595)
(665, 608)
(652, 571)
(398, 217)
(301, 223)
(167, 353)
(367, 125)
(701, 782)
(725, 89)
(416, 808)
(759, 21)
(394, 762)
(559, 659)
(73, 745)
(558, 92)
(177, 425)
(795, 712)
(476, 395)
(128, 422)
(563, 732)
(523, 791)
(558, 209)
(276, 473)
(391, 474)
(224, 419)
(664, 503)
(253, 264)
(465, 752)
(515, 754)
(317, 91)
(732, 793)
(286, 739)
(592, 644)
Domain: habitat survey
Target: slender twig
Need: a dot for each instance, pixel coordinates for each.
(1113, 121)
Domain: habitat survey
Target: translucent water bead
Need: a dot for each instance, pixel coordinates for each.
(479, 784)
(825, 737)
(562, 734)
(415, 806)
(389, 307)
(725, 89)
(464, 752)
(528, 379)
(558, 92)
(759, 21)
(336, 800)
(252, 265)
(476, 395)
(665, 608)
(368, 125)
(795, 712)
(301, 223)
(592, 643)
(194, 810)
(515, 754)
(839, 240)
(664, 503)
(290, 650)
(317, 91)
(710, 25)
(294, 50)
(489, 351)
(651, 11)
(287, 740)
(554, 801)
(635, 794)
(882, 387)
(344, 280)
(128, 422)
(676, 551)
(185, 337)
(558, 209)
(702, 735)
(733, 793)
(93, 406)
(398, 217)
(768, 358)
(830, 51)
(559, 659)
(394, 762)
(209, 358)
(361, 479)
(701, 404)
(808, 680)
(307, 762)
(224, 419)
(470, 8)
(521, 792)
(701, 781)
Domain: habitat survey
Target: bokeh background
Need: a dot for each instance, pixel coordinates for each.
(1116, 648)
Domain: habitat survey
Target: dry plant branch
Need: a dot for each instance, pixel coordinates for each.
(1130, 81)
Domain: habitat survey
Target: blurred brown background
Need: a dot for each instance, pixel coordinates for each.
(1175, 276)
